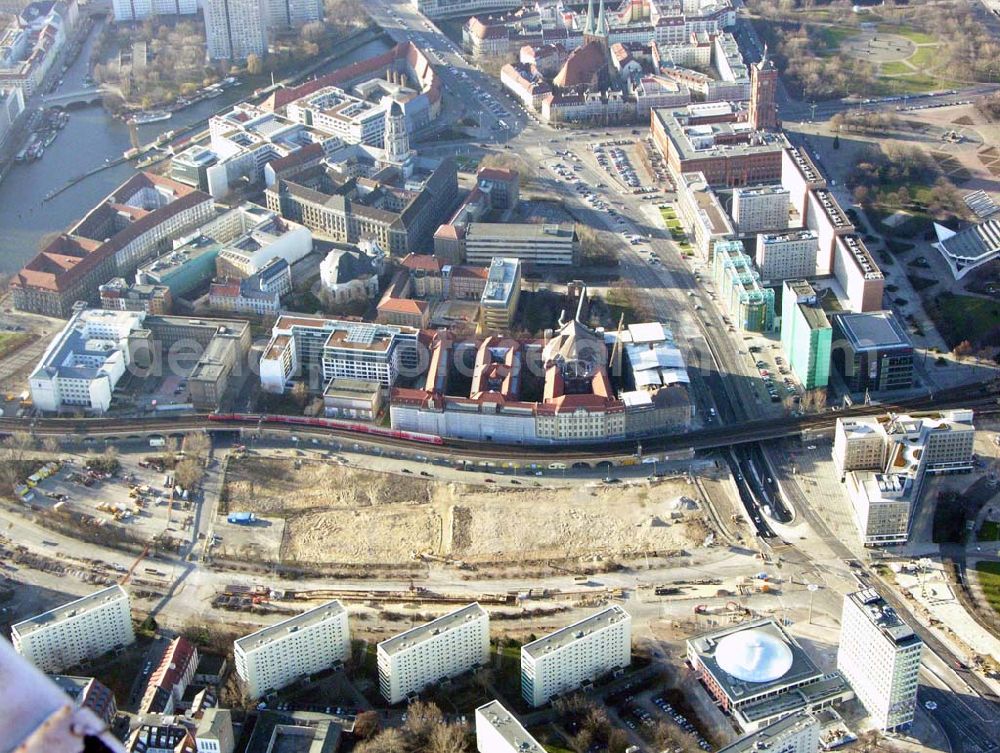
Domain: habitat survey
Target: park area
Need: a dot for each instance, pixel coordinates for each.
(329, 513)
(988, 574)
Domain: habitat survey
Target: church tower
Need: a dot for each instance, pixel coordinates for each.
(763, 94)
(596, 30)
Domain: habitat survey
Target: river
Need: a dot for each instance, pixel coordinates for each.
(90, 138)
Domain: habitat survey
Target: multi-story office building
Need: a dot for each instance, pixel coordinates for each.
(501, 294)
(282, 653)
(498, 731)
(711, 138)
(700, 212)
(750, 304)
(118, 295)
(799, 176)
(133, 224)
(872, 352)
(882, 461)
(397, 212)
(858, 444)
(575, 654)
(84, 362)
(798, 733)
(546, 244)
(235, 29)
(321, 349)
(446, 647)
(74, 632)
(788, 255)
(806, 334)
(879, 654)
(857, 273)
(126, 11)
(760, 208)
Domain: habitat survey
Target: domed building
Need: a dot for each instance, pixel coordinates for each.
(760, 674)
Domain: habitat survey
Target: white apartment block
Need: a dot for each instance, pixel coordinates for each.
(292, 13)
(798, 733)
(235, 29)
(882, 503)
(498, 731)
(84, 362)
(278, 655)
(573, 655)
(443, 648)
(316, 348)
(787, 256)
(139, 10)
(760, 208)
(879, 654)
(80, 630)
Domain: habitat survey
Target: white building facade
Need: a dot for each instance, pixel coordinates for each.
(578, 653)
(82, 629)
(498, 731)
(84, 362)
(760, 208)
(786, 256)
(446, 647)
(235, 29)
(879, 654)
(279, 655)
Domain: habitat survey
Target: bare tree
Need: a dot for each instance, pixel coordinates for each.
(13, 454)
(389, 740)
(197, 446)
(51, 445)
(448, 738)
(366, 725)
(188, 473)
(421, 719)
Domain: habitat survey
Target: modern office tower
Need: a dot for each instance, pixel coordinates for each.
(235, 29)
(497, 731)
(82, 629)
(443, 648)
(760, 208)
(578, 653)
(783, 256)
(879, 655)
(873, 352)
(276, 656)
(806, 334)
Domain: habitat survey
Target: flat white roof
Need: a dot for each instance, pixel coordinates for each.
(73, 608)
(567, 635)
(308, 619)
(431, 629)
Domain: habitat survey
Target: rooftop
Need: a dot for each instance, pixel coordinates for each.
(773, 735)
(571, 633)
(84, 604)
(504, 276)
(859, 253)
(731, 138)
(805, 166)
(501, 720)
(429, 630)
(884, 617)
(264, 636)
(872, 330)
(719, 649)
(520, 231)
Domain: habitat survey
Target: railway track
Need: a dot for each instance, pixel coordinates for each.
(982, 398)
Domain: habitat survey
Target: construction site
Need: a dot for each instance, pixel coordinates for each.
(310, 512)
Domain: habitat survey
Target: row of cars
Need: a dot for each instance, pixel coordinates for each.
(615, 157)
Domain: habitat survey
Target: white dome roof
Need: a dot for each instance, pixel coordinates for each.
(754, 656)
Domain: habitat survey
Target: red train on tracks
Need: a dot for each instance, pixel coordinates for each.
(327, 423)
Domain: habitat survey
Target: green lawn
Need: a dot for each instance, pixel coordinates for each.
(915, 36)
(990, 531)
(989, 579)
(832, 37)
(965, 317)
(925, 57)
(895, 69)
(916, 83)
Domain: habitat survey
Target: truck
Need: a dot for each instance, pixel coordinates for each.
(241, 518)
